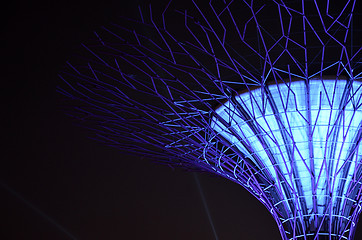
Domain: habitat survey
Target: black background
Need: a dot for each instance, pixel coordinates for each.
(56, 183)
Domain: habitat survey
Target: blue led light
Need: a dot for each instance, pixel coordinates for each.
(291, 137)
(302, 136)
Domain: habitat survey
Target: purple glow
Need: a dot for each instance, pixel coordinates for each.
(225, 88)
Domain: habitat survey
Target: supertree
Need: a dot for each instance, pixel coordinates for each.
(267, 94)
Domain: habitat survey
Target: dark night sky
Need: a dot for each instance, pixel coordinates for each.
(57, 183)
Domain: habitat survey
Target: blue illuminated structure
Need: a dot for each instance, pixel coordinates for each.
(267, 94)
(304, 140)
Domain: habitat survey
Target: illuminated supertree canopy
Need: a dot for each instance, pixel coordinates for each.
(267, 94)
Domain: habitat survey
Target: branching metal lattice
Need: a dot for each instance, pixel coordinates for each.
(264, 93)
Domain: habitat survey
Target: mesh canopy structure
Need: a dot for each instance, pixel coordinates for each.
(312, 169)
(264, 93)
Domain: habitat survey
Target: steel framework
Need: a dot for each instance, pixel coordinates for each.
(267, 94)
